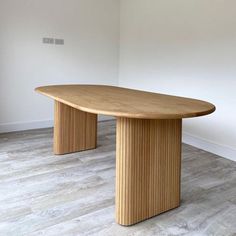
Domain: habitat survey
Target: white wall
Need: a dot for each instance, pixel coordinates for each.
(90, 29)
(186, 48)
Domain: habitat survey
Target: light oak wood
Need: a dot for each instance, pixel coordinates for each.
(148, 161)
(148, 166)
(74, 130)
(122, 102)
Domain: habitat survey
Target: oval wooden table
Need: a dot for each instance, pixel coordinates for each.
(148, 141)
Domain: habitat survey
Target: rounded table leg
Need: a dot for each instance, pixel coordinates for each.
(74, 130)
(148, 166)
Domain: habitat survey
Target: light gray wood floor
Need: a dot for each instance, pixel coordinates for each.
(43, 194)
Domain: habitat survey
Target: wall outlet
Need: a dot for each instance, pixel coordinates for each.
(48, 40)
(59, 41)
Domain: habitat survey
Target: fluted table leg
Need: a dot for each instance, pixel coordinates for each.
(74, 130)
(148, 166)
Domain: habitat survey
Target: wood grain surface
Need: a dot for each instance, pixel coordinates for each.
(148, 166)
(122, 102)
(74, 130)
(73, 194)
(149, 128)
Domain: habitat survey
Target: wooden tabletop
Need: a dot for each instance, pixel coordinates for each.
(123, 102)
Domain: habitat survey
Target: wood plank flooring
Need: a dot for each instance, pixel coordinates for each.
(70, 195)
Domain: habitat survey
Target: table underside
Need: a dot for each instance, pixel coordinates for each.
(148, 159)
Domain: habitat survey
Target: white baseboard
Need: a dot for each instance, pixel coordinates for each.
(198, 142)
(37, 124)
(20, 126)
(218, 149)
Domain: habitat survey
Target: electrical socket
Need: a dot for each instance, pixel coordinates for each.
(59, 41)
(48, 40)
